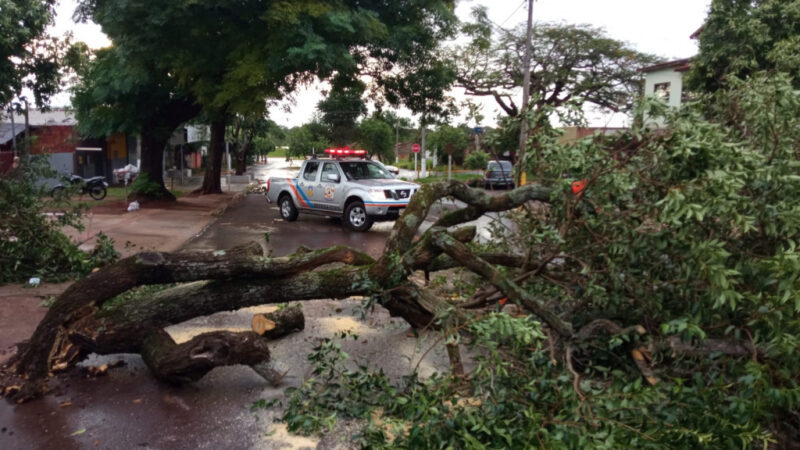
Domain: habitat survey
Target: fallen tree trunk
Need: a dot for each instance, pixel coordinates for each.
(82, 319)
(279, 323)
(190, 361)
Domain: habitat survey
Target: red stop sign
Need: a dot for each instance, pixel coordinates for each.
(415, 148)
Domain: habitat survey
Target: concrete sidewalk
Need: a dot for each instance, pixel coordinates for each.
(156, 226)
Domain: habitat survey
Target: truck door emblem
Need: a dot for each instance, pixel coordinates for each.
(329, 192)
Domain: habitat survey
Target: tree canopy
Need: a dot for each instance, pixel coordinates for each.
(115, 95)
(307, 139)
(446, 138)
(377, 137)
(341, 109)
(230, 57)
(28, 58)
(743, 37)
(568, 62)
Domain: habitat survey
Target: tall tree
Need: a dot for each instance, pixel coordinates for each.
(231, 56)
(242, 135)
(567, 62)
(307, 139)
(377, 137)
(342, 108)
(742, 37)
(28, 57)
(114, 95)
(450, 140)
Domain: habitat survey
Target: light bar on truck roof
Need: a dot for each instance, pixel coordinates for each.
(345, 152)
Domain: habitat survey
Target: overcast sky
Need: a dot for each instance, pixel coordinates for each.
(651, 26)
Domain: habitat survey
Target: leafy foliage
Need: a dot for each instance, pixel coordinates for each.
(342, 107)
(145, 186)
(447, 138)
(31, 243)
(28, 58)
(476, 160)
(377, 138)
(676, 268)
(742, 37)
(308, 138)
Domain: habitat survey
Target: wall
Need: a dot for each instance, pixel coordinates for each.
(53, 139)
(668, 75)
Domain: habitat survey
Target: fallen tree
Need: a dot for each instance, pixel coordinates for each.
(85, 319)
(666, 284)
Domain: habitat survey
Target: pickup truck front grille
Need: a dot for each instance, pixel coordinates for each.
(398, 194)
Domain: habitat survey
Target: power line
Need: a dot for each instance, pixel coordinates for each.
(511, 15)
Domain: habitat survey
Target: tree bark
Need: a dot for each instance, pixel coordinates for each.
(211, 180)
(190, 361)
(152, 167)
(155, 136)
(243, 150)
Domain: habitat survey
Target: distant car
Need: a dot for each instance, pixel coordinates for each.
(394, 170)
(498, 173)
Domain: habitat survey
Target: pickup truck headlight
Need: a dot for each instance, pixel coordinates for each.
(377, 193)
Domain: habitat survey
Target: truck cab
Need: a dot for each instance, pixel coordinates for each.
(359, 191)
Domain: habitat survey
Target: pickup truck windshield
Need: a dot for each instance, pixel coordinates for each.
(360, 170)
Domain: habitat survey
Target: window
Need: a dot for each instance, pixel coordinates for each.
(362, 170)
(310, 173)
(329, 169)
(661, 91)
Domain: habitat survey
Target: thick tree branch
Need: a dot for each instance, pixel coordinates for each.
(190, 361)
(516, 294)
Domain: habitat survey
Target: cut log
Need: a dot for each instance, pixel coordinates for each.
(279, 323)
(190, 361)
(261, 324)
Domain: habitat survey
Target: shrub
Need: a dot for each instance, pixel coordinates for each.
(476, 160)
(31, 242)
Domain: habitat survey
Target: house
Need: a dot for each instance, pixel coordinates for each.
(53, 133)
(570, 134)
(665, 81)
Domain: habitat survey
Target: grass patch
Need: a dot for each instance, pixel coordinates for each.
(278, 153)
(463, 177)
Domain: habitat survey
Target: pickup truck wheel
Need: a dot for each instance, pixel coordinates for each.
(355, 217)
(286, 206)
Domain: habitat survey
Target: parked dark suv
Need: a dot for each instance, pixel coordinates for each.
(498, 173)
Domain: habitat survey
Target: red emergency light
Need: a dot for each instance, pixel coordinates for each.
(345, 152)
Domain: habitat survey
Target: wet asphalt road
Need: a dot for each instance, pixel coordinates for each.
(252, 218)
(129, 409)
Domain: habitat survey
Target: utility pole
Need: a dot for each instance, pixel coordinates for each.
(423, 163)
(27, 146)
(526, 92)
(396, 141)
(13, 130)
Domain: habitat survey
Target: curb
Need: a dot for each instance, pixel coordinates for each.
(221, 210)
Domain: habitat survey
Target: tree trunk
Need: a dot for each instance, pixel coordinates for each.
(211, 180)
(152, 168)
(241, 159)
(190, 361)
(155, 137)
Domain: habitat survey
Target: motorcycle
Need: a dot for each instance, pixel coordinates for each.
(96, 187)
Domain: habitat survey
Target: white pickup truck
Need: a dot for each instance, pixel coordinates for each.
(359, 191)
